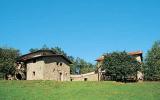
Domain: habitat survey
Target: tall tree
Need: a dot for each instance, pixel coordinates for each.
(120, 66)
(7, 60)
(152, 63)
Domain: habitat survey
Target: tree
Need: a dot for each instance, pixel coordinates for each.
(33, 50)
(58, 50)
(120, 66)
(152, 63)
(44, 47)
(80, 66)
(8, 58)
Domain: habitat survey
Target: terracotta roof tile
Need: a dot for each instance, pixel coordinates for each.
(135, 53)
(130, 53)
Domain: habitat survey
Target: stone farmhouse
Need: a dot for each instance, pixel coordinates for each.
(43, 65)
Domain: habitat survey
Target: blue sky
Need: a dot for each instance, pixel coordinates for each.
(82, 28)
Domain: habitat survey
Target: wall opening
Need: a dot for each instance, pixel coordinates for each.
(60, 77)
(60, 64)
(85, 79)
(18, 76)
(34, 60)
(34, 73)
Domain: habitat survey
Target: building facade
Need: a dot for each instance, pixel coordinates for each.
(43, 65)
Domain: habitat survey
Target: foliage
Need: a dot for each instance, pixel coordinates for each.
(7, 60)
(152, 63)
(50, 90)
(81, 66)
(33, 50)
(120, 66)
(58, 50)
(44, 47)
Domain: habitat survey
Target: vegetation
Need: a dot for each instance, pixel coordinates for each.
(7, 60)
(51, 90)
(80, 66)
(120, 66)
(152, 63)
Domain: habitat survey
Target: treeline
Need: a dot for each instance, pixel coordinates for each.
(8, 57)
(121, 66)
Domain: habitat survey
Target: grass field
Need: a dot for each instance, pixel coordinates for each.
(51, 90)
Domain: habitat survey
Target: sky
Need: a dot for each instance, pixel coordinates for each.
(82, 28)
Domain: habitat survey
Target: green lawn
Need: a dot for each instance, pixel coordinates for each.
(51, 90)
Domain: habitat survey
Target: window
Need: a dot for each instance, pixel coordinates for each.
(34, 73)
(85, 79)
(44, 53)
(34, 60)
(57, 63)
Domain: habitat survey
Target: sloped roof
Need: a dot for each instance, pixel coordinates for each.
(135, 53)
(28, 56)
(99, 59)
(38, 51)
(129, 53)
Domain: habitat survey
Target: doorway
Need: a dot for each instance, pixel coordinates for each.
(60, 77)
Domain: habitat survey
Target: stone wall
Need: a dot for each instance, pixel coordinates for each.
(35, 70)
(56, 69)
(138, 58)
(48, 68)
(92, 76)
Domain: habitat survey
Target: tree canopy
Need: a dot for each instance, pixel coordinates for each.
(80, 66)
(7, 60)
(120, 66)
(152, 63)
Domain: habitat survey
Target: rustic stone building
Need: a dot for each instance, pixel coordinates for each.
(43, 65)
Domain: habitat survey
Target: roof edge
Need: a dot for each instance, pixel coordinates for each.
(70, 62)
(36, 52)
